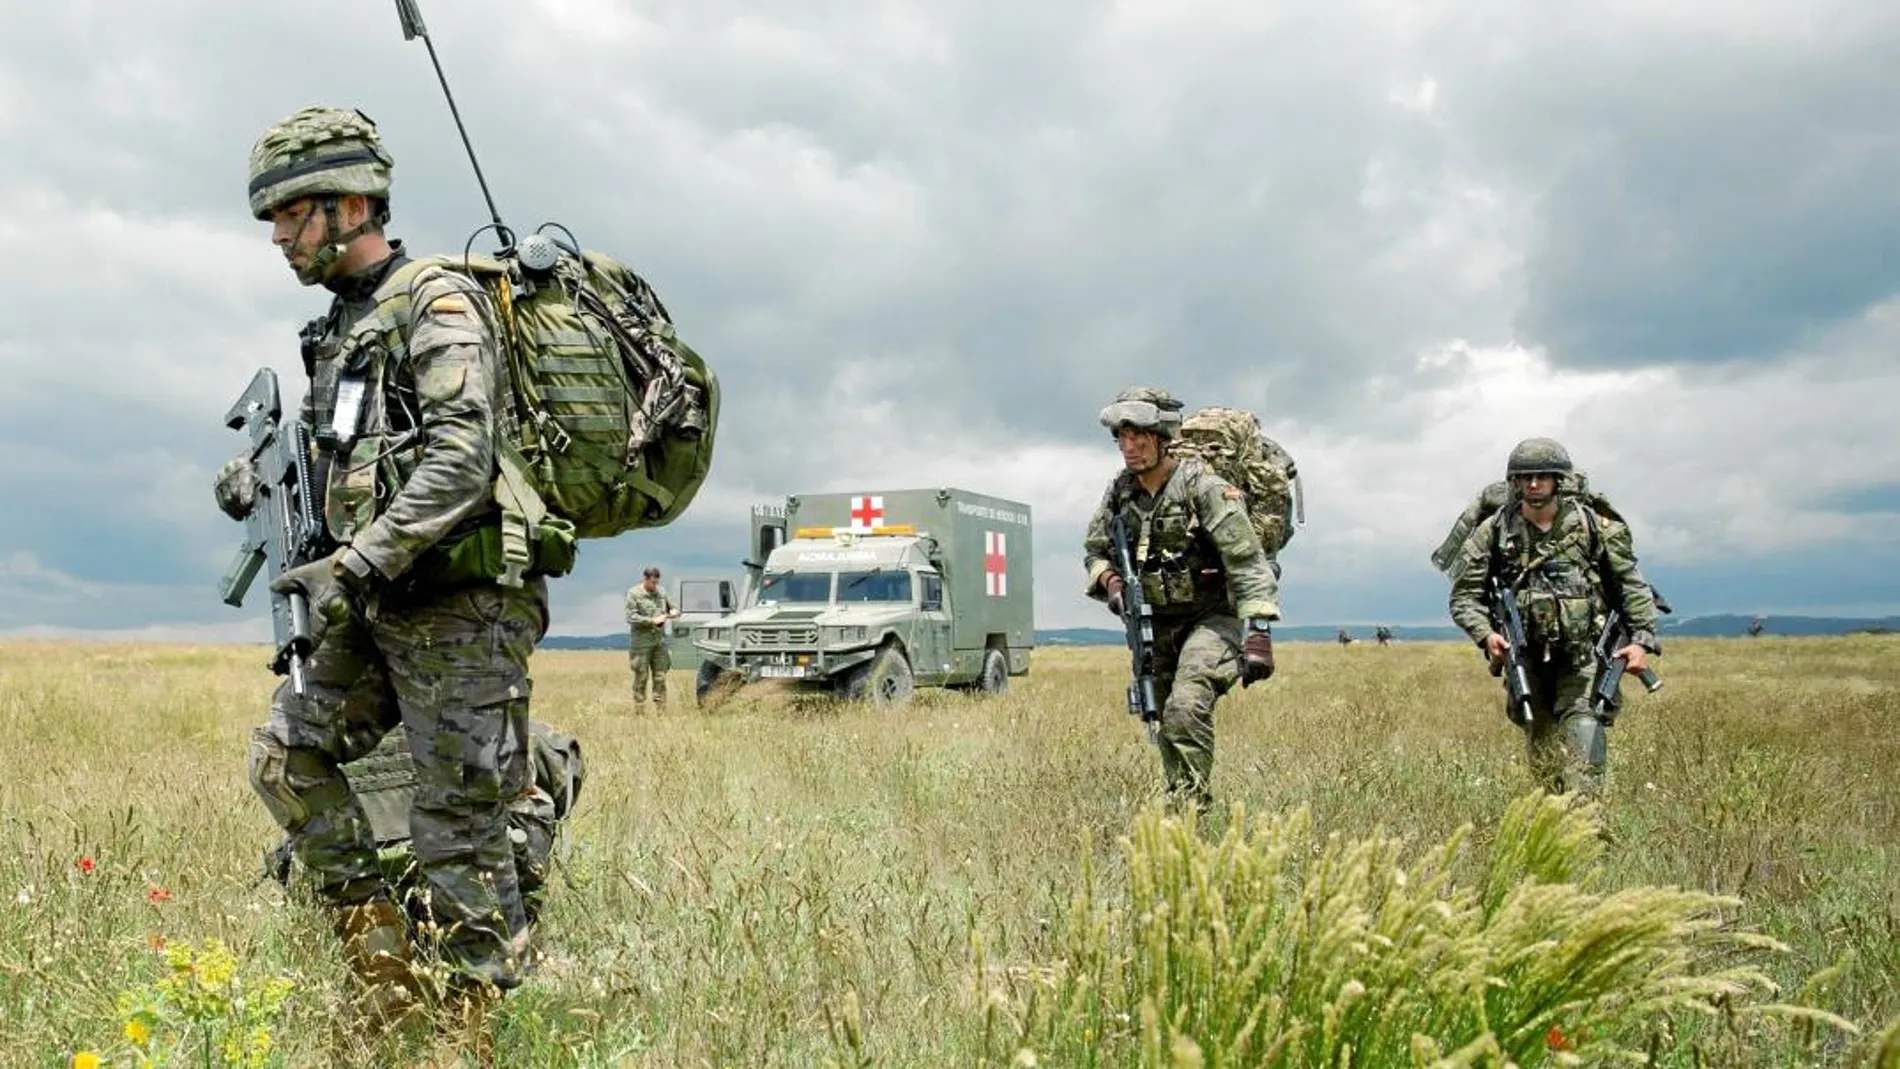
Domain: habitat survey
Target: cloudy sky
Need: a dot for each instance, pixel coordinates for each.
(923, 243)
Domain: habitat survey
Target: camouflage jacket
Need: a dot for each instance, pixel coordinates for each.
(1195, 547)
(642, 607)
(1565, 579)
(405, 421)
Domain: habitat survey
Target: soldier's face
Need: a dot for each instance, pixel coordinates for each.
(651, 582)
(1537, 490)
(1141, 450)
(300, 228)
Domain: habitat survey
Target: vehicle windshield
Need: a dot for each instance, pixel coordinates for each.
(878, 584)
(788, 588)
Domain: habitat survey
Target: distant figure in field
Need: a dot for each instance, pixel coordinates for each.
(1384, 635)
(648, 610)
(1756, 627)
(1345, 637)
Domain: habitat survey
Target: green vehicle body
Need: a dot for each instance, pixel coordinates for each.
(870, 595)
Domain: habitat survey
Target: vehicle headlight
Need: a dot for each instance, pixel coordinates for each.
(840, 635)
(715, 634)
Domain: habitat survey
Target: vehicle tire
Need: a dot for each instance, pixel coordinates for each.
(885, 681)
(713, 685)
(994, 679)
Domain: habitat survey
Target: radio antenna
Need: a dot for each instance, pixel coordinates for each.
(412, 28)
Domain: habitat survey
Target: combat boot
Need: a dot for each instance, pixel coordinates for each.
(386, 993)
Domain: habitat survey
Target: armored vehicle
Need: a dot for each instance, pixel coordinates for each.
(873, 595)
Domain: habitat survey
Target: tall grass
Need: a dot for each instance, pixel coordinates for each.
(795, 884)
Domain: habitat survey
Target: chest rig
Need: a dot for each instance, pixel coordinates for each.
(1558, 577)
(364, 417)
(1180, 568)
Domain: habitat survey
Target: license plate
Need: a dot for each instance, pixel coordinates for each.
(781, 671)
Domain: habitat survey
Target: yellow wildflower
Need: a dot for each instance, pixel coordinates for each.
(85, 1059)
(138, 1031)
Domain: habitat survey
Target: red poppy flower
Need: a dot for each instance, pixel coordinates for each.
(85, 865)
(1556, 1040)
(158, 894)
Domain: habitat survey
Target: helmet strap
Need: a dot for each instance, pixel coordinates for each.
(335, 243)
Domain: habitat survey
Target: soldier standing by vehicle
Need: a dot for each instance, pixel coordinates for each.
(1202, 570)
(648, 610)
(1568, 566)
(409, 623)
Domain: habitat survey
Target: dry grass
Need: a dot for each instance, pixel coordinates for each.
(783, 884)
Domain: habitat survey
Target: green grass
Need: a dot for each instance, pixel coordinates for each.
(798, 883)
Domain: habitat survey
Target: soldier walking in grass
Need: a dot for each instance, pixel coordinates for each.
(1213, 592)
(1383, 634)
(410, 624)
(648, 610)
(1569, 565)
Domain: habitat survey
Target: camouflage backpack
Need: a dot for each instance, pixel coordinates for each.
(611, 416)
(1230, 441)
(1447, 556)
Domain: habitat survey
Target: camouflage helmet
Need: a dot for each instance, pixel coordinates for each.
(1147, 408)
(318, 151)
(1538, 456)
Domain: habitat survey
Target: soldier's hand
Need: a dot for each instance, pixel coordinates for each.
(1113, 584)
(1637, 657)
(335, 587)
(1256, 658)
(1495, 646)
(236, 487)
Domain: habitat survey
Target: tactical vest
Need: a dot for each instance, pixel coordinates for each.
(1181, 570)
(1558, 577)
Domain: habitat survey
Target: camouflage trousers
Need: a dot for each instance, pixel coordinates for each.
(451, 667)
(1564, 742)
(1196, 661)
(651, 661)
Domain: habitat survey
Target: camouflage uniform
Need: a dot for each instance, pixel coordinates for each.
(1566, 579)
(646, 642)
(1203, 572)
(437, 646)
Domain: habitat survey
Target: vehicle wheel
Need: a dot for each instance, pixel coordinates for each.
(994, 679)
(713, 685)
(884, 682)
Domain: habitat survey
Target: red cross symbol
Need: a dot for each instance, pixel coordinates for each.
(995, 565)
(866, 512)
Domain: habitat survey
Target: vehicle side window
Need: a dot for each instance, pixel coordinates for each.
(932, 592)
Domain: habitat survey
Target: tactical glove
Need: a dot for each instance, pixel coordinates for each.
(236, 487)
(1256, 658)
(1114, 585)
(335, 587)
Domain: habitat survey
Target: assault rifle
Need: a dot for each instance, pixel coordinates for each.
(1606, 693)
(284, 527)
(1139, 623)
(1517, 679)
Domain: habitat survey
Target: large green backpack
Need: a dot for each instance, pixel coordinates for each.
(1230, 441)
(612, 415)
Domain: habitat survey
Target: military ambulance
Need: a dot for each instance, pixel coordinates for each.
(872, 595)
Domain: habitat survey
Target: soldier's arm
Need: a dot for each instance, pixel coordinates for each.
(1469, 609)
(1095, 548)
(452, 358)
(1638, 601)
(1250, 582)
(633, 612)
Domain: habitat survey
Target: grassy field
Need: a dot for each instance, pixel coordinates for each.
(970, 882)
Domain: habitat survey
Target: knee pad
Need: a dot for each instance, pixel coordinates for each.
(270, 778)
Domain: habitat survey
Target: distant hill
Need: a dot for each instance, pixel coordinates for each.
(1730, 625)
(1719, 626)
